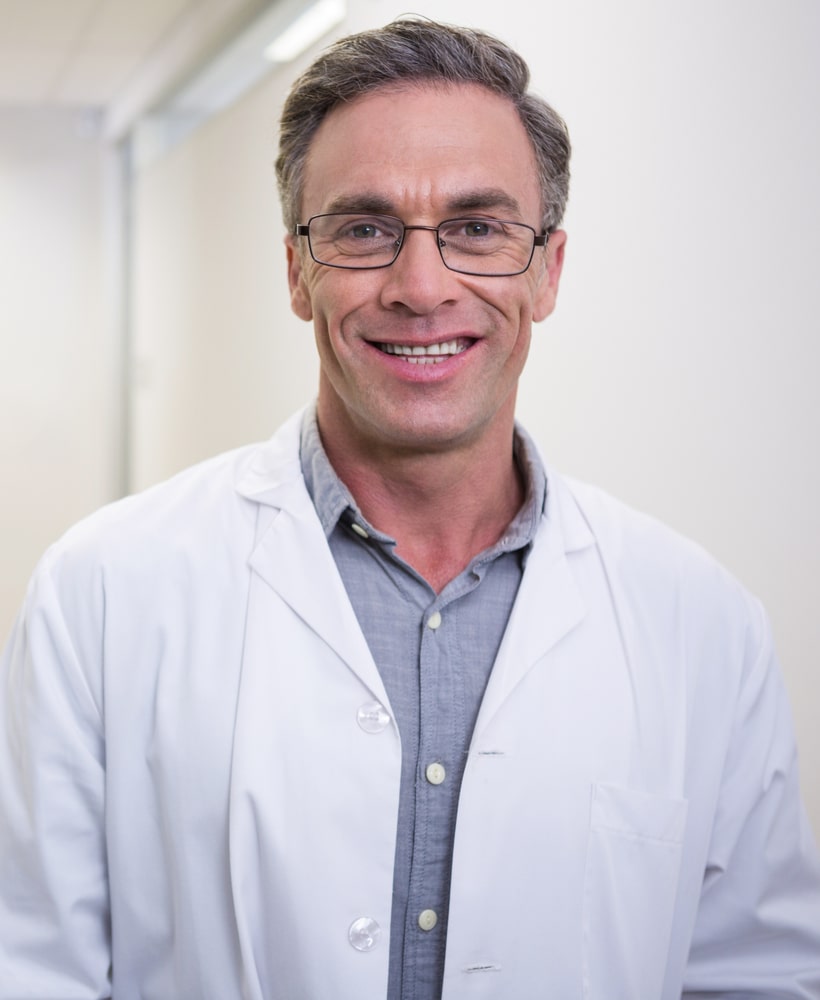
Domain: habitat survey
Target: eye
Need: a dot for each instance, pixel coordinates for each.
(366, 228)
(363, 236)
(473, 230)
(474, 236)
(363, 231)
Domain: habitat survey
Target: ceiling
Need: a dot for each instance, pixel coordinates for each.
(95, 53)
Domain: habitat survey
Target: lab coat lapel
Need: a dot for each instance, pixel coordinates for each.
(292, 558)
(549, 604)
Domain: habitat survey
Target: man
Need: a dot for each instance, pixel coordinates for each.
(382, 708)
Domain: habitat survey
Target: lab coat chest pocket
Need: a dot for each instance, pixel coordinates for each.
(633, 863)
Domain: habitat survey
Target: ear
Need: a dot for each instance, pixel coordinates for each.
(547, 291)
(299, 297)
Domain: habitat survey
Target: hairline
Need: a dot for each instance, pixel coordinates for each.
(411, 85)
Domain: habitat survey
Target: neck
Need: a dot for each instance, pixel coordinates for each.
(443, 506)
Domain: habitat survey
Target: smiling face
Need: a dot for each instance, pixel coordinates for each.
(415, 357)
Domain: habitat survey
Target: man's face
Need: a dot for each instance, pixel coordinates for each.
(422, 154)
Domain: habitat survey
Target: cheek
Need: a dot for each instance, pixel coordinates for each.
(518, 305)
(310, 297)
(343, 301)
(520, 348)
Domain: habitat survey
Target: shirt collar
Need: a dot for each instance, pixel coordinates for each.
(330, 496)
(334, 502)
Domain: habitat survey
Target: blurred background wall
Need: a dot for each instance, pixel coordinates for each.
(145, 322)
(58, 431)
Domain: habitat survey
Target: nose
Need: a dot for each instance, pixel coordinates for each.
(418, 280)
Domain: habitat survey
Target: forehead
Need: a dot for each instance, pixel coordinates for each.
(421, 149)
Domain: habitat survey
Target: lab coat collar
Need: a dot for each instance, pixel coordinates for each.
(272, 474)
(292, 557)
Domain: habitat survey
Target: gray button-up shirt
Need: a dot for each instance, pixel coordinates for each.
(435, 653)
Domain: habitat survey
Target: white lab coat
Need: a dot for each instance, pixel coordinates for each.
(186, 792)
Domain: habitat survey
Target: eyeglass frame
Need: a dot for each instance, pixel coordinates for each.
(303, 229)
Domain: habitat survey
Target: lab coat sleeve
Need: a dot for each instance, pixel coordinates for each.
(757, 932)
(54, 924)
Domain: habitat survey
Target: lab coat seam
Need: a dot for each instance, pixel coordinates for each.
(637, 835)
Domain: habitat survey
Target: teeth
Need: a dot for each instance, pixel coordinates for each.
(416, 354)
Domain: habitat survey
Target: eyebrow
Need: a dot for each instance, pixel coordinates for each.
(487, 198)
(484, 200)
(360, 204)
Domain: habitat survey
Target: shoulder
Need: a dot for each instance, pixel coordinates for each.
(628, 533)
(656, 575)
(191, 502)
(631, 537)
(199, 516)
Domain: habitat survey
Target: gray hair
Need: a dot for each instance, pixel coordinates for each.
(416, 50)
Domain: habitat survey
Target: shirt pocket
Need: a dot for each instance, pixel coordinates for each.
(630, 885)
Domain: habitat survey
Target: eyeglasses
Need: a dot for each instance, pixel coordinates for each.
(485, 247)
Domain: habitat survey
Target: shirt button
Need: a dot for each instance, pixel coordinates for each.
(428, 919)
(364, 934)
(435, 774)
(434, 621)
(360, 531)
(373, 717)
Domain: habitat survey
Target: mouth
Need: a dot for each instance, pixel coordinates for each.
(429, 354)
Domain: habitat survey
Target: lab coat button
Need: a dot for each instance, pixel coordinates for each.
(435, 773)
(434, 621)
(364, 934)
(373, 717)
(428, 919)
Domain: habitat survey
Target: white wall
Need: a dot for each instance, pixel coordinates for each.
(219, 360)
(55, 378)
(679, 370)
